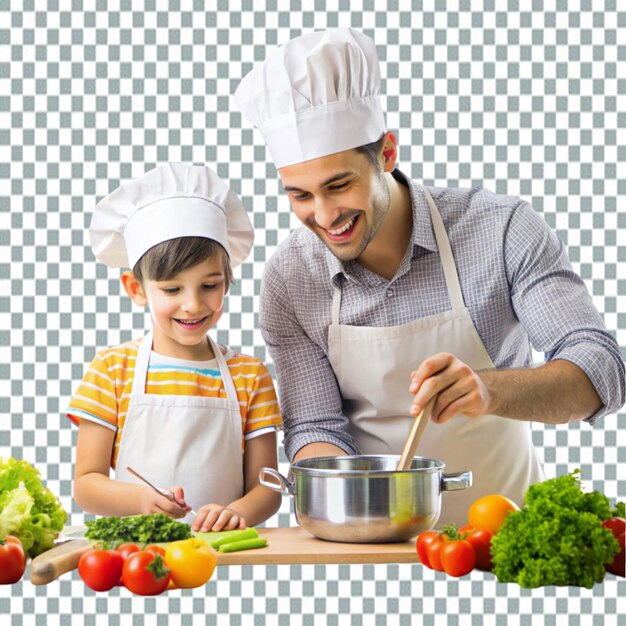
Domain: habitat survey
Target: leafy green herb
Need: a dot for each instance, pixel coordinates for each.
(28, 510)
(155, 528)
(557, 538)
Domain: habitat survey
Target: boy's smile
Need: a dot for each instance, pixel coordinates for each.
(191, 324)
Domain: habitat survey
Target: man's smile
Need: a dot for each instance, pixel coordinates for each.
(342, 233)
(343, 229)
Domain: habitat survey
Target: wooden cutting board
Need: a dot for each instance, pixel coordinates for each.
(287, 546)
(292, 546)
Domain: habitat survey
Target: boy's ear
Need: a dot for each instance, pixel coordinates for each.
(133, 288)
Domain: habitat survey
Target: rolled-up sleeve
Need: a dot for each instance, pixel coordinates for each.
(308, 392)
(556, 310)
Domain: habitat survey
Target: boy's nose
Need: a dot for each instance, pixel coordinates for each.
(192, 304)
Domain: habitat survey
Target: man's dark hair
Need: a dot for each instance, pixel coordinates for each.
(372, 151)
(168, 259)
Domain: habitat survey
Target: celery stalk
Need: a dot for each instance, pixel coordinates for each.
(242, 535)
(246, 544)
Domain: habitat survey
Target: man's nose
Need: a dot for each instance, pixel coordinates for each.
(326, 213)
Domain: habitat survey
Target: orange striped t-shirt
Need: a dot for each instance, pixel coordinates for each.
(104, 392)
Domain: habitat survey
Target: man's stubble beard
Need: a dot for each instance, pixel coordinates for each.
(380, 208)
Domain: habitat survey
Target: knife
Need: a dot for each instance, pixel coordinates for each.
(164, 492)
(64, 557)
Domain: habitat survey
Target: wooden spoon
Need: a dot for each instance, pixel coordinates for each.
(417, 430)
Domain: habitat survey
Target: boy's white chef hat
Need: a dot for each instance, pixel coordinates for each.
(173, 200)
(316, 95)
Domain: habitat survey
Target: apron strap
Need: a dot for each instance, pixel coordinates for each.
(445, 252)
(229, 384)
(141, 366)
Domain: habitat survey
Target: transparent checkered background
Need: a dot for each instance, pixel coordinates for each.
(524, 98)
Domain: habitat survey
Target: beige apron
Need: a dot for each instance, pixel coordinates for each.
(373, 367)
(190, 441)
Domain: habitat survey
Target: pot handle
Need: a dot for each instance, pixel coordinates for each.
(284, 486)
(455, 482)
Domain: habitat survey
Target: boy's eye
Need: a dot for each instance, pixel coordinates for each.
(170, 291)
(208, 287)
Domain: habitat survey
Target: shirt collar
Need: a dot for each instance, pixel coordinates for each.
(423, 234)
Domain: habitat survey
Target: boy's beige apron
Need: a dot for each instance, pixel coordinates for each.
(186, 441)
(373, 367)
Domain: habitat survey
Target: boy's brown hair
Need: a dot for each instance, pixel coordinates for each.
(170, 258)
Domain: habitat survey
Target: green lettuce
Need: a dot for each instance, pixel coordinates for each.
(28, 510)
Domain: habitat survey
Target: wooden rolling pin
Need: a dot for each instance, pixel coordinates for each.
(61, 559)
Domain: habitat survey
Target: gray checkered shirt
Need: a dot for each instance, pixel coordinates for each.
(517, 283)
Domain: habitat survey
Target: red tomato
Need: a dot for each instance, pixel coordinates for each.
(126, 549)
(617, 526)
(457, 557)
(101, 569)
(481, 540)
(422, 542)
(145, 574)
(433, 552)
(155, 549)
(12, 560)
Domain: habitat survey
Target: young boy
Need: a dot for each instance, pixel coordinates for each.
(173, 405)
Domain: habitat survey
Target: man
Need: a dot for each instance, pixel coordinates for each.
(393, 294)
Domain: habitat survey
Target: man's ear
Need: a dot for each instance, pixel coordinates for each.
(133, 288)
(390, 152)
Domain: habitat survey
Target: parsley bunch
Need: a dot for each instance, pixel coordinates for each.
(157, 528)
(557, 538)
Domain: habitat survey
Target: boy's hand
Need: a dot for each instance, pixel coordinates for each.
(216, 517)
(152, 502)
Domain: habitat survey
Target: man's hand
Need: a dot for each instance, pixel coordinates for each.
(459, 389)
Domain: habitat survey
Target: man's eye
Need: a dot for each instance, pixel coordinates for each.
(339, 186)
(300, 197)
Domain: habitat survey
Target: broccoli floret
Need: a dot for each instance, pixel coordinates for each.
(557, 538)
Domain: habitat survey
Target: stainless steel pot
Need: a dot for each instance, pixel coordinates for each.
(363, 499)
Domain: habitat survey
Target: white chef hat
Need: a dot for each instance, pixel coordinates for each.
(173, 200)
(316, 95)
